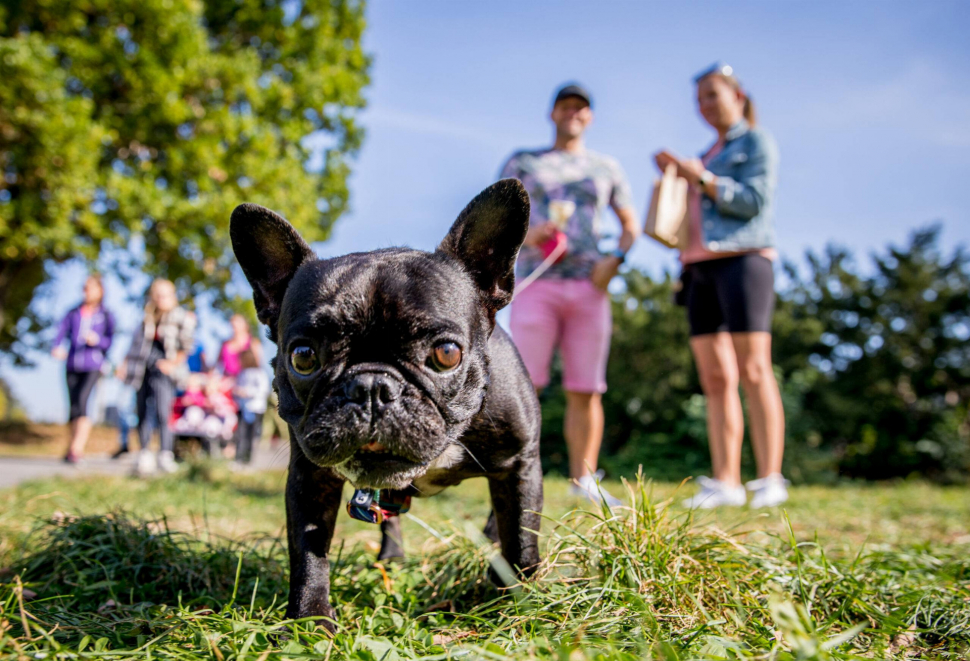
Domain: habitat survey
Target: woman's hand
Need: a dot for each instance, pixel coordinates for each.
(92, 339)
(122, 371)
(689, 169)
(59, 353)
(664, 158)
(539, 234)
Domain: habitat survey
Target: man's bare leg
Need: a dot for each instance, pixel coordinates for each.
(583, 430)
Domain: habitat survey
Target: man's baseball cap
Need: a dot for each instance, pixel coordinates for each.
(573, 89)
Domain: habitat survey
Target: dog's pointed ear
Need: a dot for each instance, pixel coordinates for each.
(269, 251)
(486, 239)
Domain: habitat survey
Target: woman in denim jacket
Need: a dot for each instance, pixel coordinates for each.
(729, 290)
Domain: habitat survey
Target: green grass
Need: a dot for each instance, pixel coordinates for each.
(193, 566)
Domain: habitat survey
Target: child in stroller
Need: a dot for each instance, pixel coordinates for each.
(205, 411)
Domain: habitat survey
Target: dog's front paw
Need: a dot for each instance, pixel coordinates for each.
(324, 615)
(391, 543)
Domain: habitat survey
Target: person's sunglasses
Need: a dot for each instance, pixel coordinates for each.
(719, 68)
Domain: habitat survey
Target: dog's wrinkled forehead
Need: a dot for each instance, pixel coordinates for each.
(402, 291)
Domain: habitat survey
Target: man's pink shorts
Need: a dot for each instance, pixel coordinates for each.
(573, 315)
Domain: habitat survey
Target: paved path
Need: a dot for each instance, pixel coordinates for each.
(14, 470)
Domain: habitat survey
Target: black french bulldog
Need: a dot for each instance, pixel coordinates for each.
(392, 375)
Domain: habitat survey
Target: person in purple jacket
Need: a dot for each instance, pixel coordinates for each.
(88, 329)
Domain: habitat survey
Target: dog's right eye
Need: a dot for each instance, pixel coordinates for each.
(304, 361)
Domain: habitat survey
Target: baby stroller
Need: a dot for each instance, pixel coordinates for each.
(205, 412)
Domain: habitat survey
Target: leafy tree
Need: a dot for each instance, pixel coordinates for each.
(131, 128)
(893, 359)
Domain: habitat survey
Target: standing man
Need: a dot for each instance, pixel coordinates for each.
(568, 305)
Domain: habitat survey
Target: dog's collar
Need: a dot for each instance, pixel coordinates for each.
(374, 506)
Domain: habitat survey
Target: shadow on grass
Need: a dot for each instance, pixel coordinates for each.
(219, 473)
(259, 491)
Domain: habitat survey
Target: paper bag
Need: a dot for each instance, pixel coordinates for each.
(667, 217)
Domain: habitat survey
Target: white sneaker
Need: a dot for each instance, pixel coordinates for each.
(768, 491)
(166, 462)
(145, 465)
(590, 487)
(715, 493)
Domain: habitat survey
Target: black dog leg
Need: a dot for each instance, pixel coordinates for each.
(516, 503)
(313, 498)
(392, 544)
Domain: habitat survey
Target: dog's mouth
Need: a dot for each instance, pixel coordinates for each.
(376, 466)
(384, 460)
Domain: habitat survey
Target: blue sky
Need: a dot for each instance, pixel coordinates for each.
(868, 101)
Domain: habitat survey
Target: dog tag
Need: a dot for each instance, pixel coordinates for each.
(363, 506)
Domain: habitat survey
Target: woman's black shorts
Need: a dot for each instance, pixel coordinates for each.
(79, 388)
(732, 294)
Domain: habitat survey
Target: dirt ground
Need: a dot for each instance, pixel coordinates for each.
(46, 440)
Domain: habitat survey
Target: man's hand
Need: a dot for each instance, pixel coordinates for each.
(539, 234)
(59, 353)
(604, 271)
(164, 366)
(122, 370)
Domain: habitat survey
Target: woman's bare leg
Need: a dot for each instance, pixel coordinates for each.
(765, 412)
(80, 431)
(718, 370)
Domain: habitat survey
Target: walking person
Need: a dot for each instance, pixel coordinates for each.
(567, 305)
(155, 362)
(89, 330)
(729, 290)
(251, 393)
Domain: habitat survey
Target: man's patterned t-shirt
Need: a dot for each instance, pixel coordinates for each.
(572, 189)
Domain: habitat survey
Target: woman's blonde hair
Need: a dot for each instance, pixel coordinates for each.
(157, 283)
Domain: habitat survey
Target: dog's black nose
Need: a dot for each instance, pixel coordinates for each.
(373, 390)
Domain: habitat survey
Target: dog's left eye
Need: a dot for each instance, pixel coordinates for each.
(304, 361)
(445, 356)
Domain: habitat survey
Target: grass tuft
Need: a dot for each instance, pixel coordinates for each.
(84, 562)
